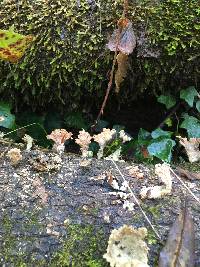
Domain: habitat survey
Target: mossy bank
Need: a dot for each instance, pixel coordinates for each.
(68, 64)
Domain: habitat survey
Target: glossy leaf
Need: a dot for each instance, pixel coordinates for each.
(7, 120)
(118, 127)
(162, 149)
(192, 125)
(179, 249)
(100, 125)
(198, 105)
(160, 133)
(52, 121)
(75, 120)
(13, 45)
(168, 100)
(188, 95)
(37, 130)
(143, 134)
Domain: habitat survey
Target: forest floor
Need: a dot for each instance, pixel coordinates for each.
(47, 204)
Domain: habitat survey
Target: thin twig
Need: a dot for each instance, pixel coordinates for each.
(125, 11)
(137, 201)
(26, 126)
(125, 7)
(184, 185)
(108, 88)
(172, 111)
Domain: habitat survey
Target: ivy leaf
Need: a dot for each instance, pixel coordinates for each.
(143, 134)
(13, 45)
(160, 133)
(100, 125)
(118, 127)
(76, 120)
(169, 122)
(192, 125)
(188, 95)
(7, 120)
(198, 105)
(168, 100)
(162, 149)
(52, 121)
(37, 130)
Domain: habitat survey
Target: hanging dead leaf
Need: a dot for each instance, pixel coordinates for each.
(13, 45)
(123, 39)
(179, 249)
(187, 174)
(122, 61)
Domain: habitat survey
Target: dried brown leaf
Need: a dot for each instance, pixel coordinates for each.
(123, 39)
(122, 61)
(187, 174)
(179, 248)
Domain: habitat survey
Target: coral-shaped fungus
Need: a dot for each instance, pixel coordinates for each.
(192, 148)
(164, 173)
(29, 141)
(124, 136)
(103, 138)
(14, 155)
(126, 247)
(59, 136)
(84, 140)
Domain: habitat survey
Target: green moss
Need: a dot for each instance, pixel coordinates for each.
(68, 65)
(155, 211)
(9, 253)
(85, 246)
(193, 167)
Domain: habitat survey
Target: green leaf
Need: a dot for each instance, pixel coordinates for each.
(118, 127)
(192, 125)
(76, 120)
(188, 95)
(7, 120)
(52, 121)
(100, 125)
(169, 122)
(168, 100)
(13, 45)
(162, 149)
(37, 130)
(143, 134)
(198, 105)
(160, 133)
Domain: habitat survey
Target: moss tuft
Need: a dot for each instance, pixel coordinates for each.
(85, 246)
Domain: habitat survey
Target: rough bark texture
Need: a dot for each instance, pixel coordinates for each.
(39, 208)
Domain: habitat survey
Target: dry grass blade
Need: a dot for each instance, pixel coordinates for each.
(184, 185)
(137, 201)
(179, 249)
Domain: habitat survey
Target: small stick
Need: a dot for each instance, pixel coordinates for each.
(137, 201)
